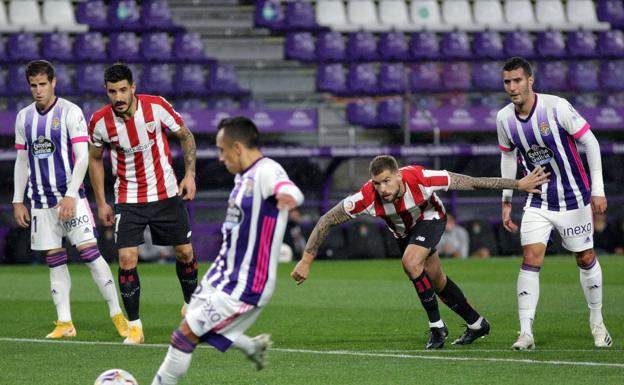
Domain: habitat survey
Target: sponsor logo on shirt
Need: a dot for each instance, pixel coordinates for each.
(233, 216)
(42, 148)
(139, 148)
(540, 155)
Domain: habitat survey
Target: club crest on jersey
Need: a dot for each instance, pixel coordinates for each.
(249, 185)
(42, 148)
(540, 155)
(151, 126)
(56, 124)
(544, 129)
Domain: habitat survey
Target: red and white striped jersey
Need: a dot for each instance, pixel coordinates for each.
(419, 202)
(140, 153)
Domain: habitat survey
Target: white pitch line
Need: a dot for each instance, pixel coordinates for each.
(509, 350)
(340, 353)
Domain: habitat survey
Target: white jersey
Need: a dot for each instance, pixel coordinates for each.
(546, 138)
(253, 232)
(48, 137)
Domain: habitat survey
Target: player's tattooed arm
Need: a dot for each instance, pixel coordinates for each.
(335, 216)
(187, 141)
(465, 182)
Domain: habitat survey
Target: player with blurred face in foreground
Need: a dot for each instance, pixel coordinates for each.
(405, 199)
(543, 130)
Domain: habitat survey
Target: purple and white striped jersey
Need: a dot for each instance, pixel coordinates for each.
(253, 232)
(547, 138)
(48, 138)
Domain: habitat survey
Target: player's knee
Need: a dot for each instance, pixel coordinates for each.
(412, 266)
(184, 253)
(585, 258)
(127, 260)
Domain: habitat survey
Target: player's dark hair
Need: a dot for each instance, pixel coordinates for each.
(39, 67)
(241, 129)
(118, 72)
(518, 62)
(383, 163)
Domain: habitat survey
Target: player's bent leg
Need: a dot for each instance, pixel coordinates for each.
(130, 289)
(255, 349)
(178, 358)
(60, 287)
(103, 278)
(186, 270)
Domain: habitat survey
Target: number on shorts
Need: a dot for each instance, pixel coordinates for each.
(117, 220)
(35, 223)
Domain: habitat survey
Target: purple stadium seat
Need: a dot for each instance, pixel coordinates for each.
(611, 11)
(156, 15)
(392, 78)
(486, 76)
(223, 80)
(155, 46)
(16, 81)
(583, 76)
(124, 15)
(615, 100)
(222, 104)
(424, 45)
(124, 46)
(612, 75)
(488, 45)
(456, 76)
(64, 82)
(252, 104)
(611, 43)
(3, 53)
(23, 46)
(190, 104)
(269, 14)
(90, 78)
(393, 46)
(456, 45)
(551, 44)
(93, 13)
(519, 43)
(157, 79)
(331, 78)
(582, 44)
(362, 46)
(390, 113)
(90, 46)
(300, 15)
(330, 46)
(362, 79)
(190, 79)
(188, 46)
(56, 46)
(362, 112)
(552, 76)
(425, 77)
(4, 88)
(300, 46)
(89, 107)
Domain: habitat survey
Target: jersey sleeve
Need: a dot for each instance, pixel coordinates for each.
(96, 125)
(76, 125)
(429, 181)
(361, 203)
(20, 134)
(570, 119)
(168, 116)
(504, 142)
(274, 180)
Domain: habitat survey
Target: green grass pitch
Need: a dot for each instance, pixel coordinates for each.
(352, 322)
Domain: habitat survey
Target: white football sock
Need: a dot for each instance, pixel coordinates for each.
(245, 344)
(103, 278)
(60, 286)
(477, 324)
(136, 322)
(528, 296)
(591, 282)
(174, 366)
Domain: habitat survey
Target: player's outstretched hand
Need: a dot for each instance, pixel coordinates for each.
(105, 213)
(534, 179)
(598, 204)
(285, 201)
(20, 212)
(187, 188)
(506, 216)
(302, 269)
(66, 208)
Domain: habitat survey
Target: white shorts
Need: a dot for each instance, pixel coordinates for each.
(575, 227)
(217, 318)
(47, 231)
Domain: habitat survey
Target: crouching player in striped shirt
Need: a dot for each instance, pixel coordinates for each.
(52, 159)
(405, 199)
(146, 189)
(241, 280)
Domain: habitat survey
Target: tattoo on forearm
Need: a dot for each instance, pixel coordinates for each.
(187, 141)
(335, 216)
(465, 182)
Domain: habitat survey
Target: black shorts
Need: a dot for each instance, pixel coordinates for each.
(426, 234)
(168, 221)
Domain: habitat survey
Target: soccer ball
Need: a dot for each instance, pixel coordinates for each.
(115, 377)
